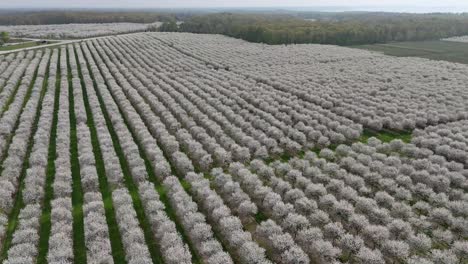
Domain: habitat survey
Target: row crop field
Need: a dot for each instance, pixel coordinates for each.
(182, 148)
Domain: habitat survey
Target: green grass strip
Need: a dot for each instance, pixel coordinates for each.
(383, 135)
(46, 224)
(19, 203)
(118, 252)
(79, 246)
(20, 46)
(131, 186)
(386, 135)
(260, 217)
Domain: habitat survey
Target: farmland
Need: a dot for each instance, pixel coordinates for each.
(28, 44)
(453, 51)
(75, 31)
(185, 148)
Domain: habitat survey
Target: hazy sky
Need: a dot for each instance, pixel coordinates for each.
(431, 4)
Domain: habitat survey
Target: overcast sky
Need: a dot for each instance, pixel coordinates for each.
(383, 4)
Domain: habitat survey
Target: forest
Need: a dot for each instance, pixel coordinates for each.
(345, 28)
(38, 17)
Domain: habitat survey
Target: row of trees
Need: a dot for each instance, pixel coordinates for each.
(96, 230)
(172, 248)
(286, 215)
(198, 231)
(192, 221)
(19, 70)
(449, 140)
(238, 241)
(375, 91)
(263, 130)
(17, 149)
(367, 226)
(61, 234)
(195, 224)
(167, 122)
(329, 209)
(131, 233)
(362, 203)
(183, 165)
(350, 30)
(26, 235)
(389, 248)
(4, 38)
(436, 185)
(160, 165)
(366, 203)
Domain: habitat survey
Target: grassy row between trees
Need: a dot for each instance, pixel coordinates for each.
(118, 252)
(79, 247)
(45, 220)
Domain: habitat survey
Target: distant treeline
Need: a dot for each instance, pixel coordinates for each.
(345, 28)
(86, 16)
(278, 27)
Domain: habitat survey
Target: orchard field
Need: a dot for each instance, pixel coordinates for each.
(183, 148)
(75, 31)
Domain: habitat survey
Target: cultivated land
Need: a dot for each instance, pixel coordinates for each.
(453, 50)
(29, 44)
(184, 148)
(75, 31)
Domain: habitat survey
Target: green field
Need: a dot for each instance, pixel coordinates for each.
(17, 40)
(434, 50)
(24, 45)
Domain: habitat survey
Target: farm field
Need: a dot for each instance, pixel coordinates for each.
(188, 148)
(453, 51)
(75, 31)
(22, 45)
(13, 41)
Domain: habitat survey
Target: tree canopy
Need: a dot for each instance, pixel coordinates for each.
(4, 38)
(336, 28)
